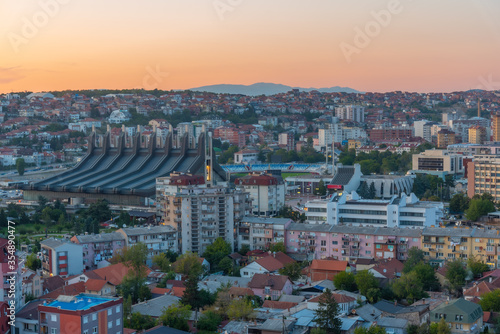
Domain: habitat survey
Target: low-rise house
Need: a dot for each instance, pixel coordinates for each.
(393, 325)
(461, 315)
(326, 269)
(27, 318)
(346, 303)
(478, 290)
(100, 287)
(270, 286)
(268, 264)
(415, 314)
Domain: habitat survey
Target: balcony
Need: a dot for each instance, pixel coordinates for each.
(177, 212)
(178, 220)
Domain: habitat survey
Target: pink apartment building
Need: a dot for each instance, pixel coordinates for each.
(98, 247)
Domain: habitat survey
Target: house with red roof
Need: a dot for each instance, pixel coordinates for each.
(268, 264)
(346, 303)
(270, 286)
(320, 270)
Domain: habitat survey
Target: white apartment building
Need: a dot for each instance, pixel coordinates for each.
(350, 209)
(351, 112)
(158, 239)
(267, 192)
(422, 129)
(61, 258)
(199, 213)
(438, 162)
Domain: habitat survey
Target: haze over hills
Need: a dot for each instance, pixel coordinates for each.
(263, 88)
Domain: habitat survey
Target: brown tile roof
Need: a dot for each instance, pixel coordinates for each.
(275, 262)
(178, 291)
(94, 284)
(113, 274)
(238, 292)
(68, 290)
(331, 265)
(339, 298)
(479, 289)
(52, 283)
(160, 291)
(389, 268)
(260, 281)
(278, 305)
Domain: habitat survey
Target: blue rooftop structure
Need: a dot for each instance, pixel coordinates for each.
(78, 303)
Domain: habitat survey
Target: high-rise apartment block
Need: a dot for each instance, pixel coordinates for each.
(477, 135)
(200, 212)
(351, 112)
(484, 176)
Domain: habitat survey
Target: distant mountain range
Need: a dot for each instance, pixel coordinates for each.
(263, 88)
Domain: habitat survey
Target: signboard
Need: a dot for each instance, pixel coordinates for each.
(334, 186)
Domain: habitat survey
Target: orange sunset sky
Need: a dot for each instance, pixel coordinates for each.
(419, 45)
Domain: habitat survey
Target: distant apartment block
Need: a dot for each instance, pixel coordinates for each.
(158, 239)
(61, 258)
(477, 135)
(231, 135)
(84, 313)
(287, 139)
(351, 112)
(246, 157)
(260, 233)
(495, 127)
(98, 247)
(445, 137)
(484, 176)
(390, 134)
(267, 192)
(438, 162)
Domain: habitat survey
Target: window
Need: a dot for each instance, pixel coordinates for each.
(110, 311)
(85, 320)
(86, 331)
(94, 316)
(245, 273)
(110, 324)
(267, 290)
(53, 317)
(118, 309)
(118, 322)
(94, 330)
(53, 331)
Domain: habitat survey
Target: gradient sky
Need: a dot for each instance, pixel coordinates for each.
(428, 45)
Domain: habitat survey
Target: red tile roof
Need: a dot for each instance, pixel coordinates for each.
(278, 305)
(339, 298)
(113, 274)
(330, 265)
(237, 291)
(479, 289)
(67, 290)
(160, 291)
(95, 284)
(260, 281)
(178, 291)
(274, 262)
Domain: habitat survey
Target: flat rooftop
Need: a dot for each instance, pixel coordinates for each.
(78, 303)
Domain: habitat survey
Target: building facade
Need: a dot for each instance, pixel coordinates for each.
(477, 135)
(83, 313)
(260, 233)
(267, 192)
(445, 137)
(98, 247)
(61, 257)
(483, 175)
(438, 162)
(351, 112)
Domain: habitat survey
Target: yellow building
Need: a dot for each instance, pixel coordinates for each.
(477, 135)
(495, 127)
(447, 244)
(445, 138)
(354, 144)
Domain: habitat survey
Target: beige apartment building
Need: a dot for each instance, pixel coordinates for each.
(484, 176)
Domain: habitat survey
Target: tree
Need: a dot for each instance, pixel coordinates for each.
(3, 219)
(363, 190)
(490, 301)
(321, 190)
(99, 211)
(443, 327)
(427, 276)
(478, 208)
(371, 191)
(123, 219)
(20, 166)
(133, 257)
(226, 265)
(240, 309)
(409, 287)
(244, 250)
(33, 262)
(327, 313)
(345, 281)
(176, 316)
(134, 287)
(415, 256)
(293, 270)
(477, 267)
(138, 321)
(188, 263)
(371, 330)
(209, 321)
(456, 274)
(365, 280)
(459, 203)
(162, 262)
(215, 252)
(277, 247)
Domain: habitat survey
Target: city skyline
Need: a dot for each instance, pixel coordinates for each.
(372, 46)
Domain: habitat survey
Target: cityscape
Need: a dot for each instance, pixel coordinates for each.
(202, 167)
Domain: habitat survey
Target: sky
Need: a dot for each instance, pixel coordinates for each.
(368, 45)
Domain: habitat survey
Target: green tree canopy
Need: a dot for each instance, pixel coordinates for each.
(477, 267)
(32, 262)
(459, 203)
(215, 252)
(20, 166)
(456, 274)
(371, 330)
(365, 281)
(138, 321)
(209, 321)
(327, 313)
(409, 287)
(415, 256)
(293, 270)
(345, 281)
(478, 208)
(277, 247)
(176, 316)
(490, 301)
